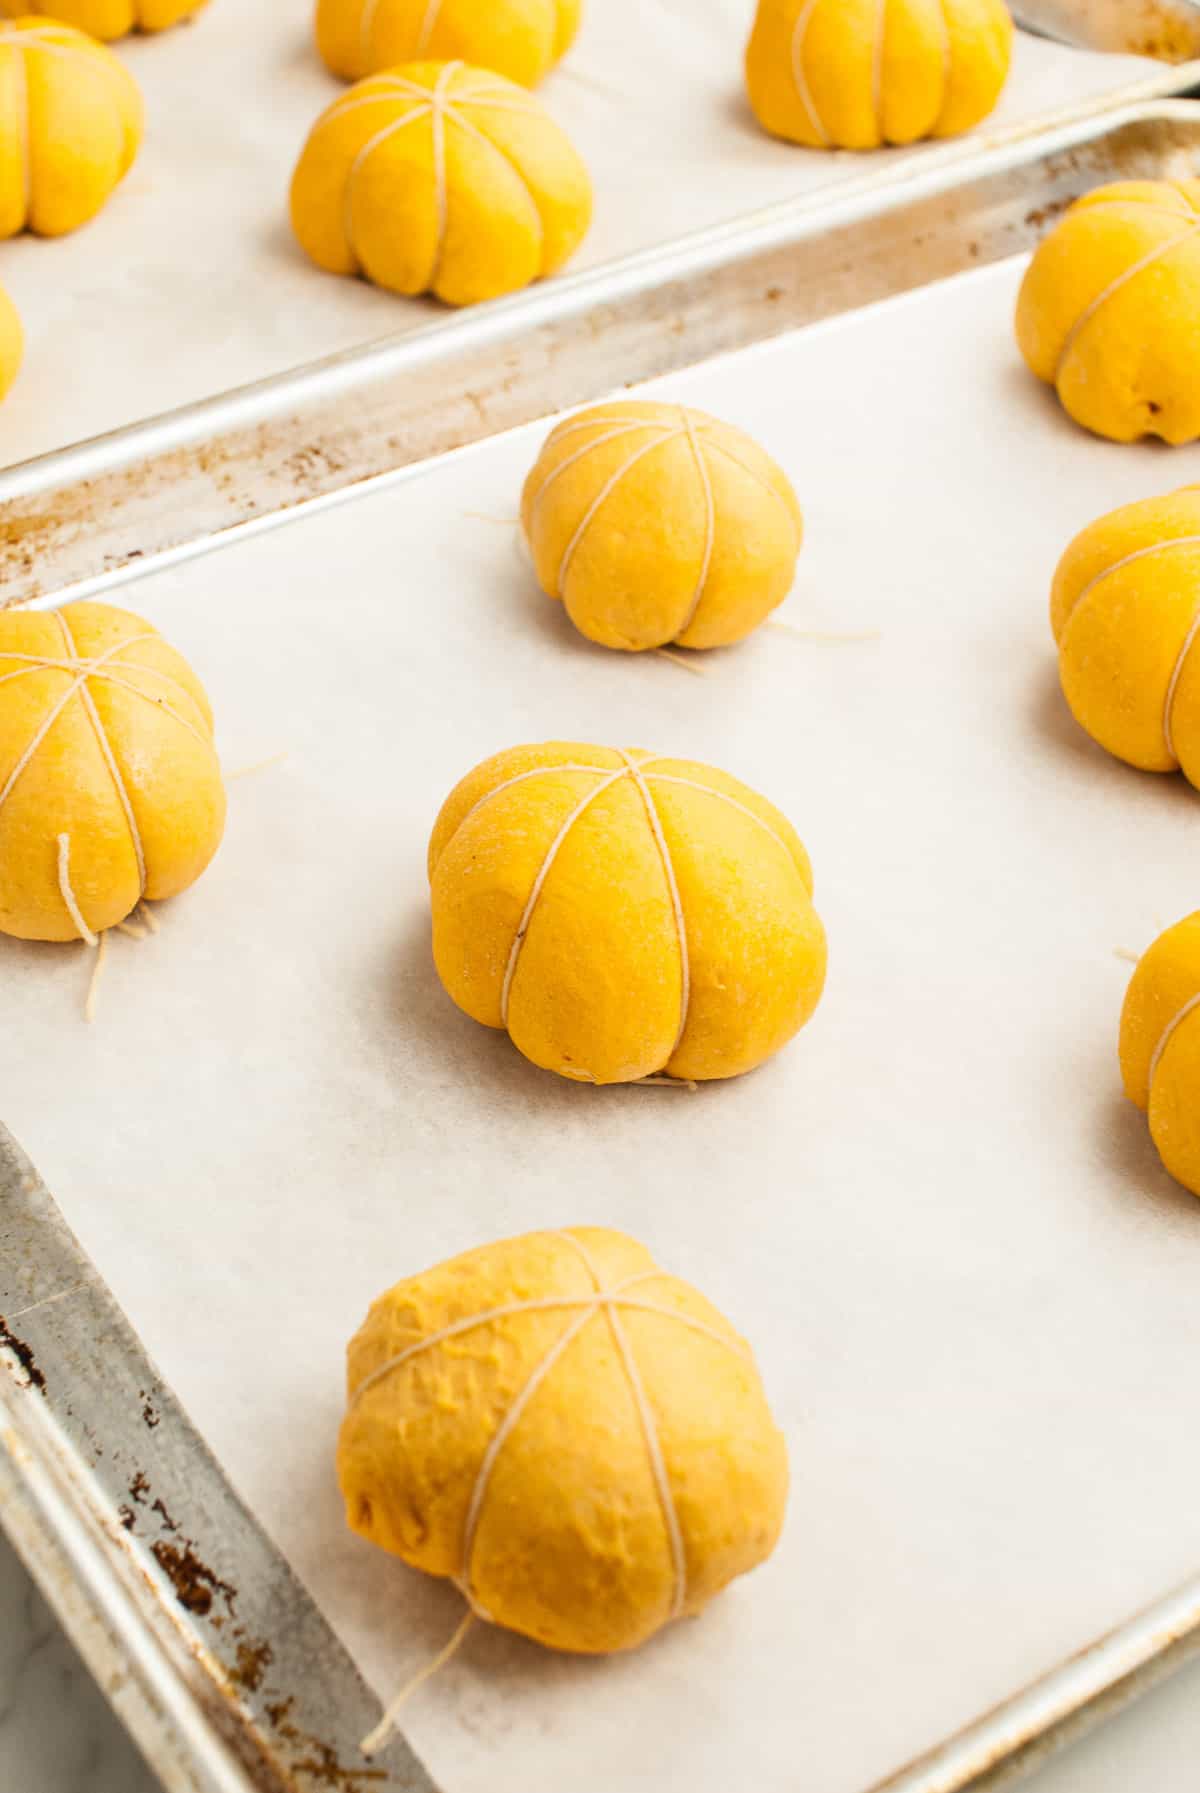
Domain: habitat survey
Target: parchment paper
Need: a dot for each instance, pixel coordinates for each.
(190, 281)
(970, 1285)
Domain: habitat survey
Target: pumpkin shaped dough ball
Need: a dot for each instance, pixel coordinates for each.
(1107, 311)
(107, 19)
(656, 523)
(607, 1460)
(440, 178)
(70, 126)
(1160, 1048)
(856, 74)
(1125, 610)
(110, 788)
(624, 914)
(521, 39)
(12, 342)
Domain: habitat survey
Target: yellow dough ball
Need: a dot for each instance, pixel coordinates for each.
(436, 177)
(110, 789)
(624, 914)
(1160, 1048)
(12, 342)
(1108, 309)
(655, 523)
(107, 19)
(1125, 610)
(576, 1438)
(521, 39)
(855, 74)
(70, 126)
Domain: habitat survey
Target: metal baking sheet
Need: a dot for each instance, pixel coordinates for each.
(926, 1212)
(190, 282)
(76, 521)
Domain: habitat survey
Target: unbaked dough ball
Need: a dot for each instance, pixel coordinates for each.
(576, 1438)
(436, 177)
(655, 523)
(107, 19)
(70, 126)
(110, 788)
(521, 39)
(624, 914)
(1108, 309)
(1125, 609)
(855, 74)
(1160, 1048)
(12, 342)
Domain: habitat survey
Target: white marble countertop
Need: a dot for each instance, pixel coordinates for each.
(57, 1734)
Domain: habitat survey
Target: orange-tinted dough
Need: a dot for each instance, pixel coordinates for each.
(1107, 312)
(623, 914)
(855, 74)
(107, 19)
(440, 178)
(106, 744)
(70, 126)
(587, 1467)
(1125, 610)
(1160, 1047)
(657, 523)
(521, 39)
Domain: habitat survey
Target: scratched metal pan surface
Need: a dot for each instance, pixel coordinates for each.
(1169, 29)
(227, 1672)
(190, 283)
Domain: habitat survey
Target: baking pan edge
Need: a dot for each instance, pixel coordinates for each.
(79, 521)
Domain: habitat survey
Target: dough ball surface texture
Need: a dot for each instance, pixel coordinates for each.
(12, 342)
(107, 19)
(1107, 311)
(1125, 609)
(70, 126)
(578, 1439)
(1160, 1048)
(857, 74)
(106, 739)
(624, 914)
(657, 523)
(520, 39)
(440, 178)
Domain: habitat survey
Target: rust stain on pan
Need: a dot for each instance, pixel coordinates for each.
(254, 1658)
(321, 1763)
(194, 1583)
(21, 1351)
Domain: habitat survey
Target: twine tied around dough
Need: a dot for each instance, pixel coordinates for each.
(441, 107)
(611, 1301)
(1190, 639)
(800, 80)
(1169, 1032)
(141, 921)
(607, 777)
(425, 32)
(1173, 1025)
